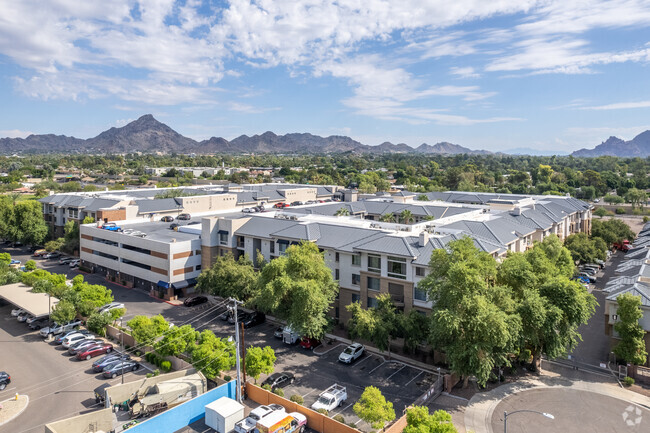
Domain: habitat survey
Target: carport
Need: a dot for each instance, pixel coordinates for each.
(21, 295)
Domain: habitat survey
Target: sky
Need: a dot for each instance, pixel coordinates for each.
(553, 76)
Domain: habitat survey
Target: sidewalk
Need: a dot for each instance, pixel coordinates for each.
(12, 408)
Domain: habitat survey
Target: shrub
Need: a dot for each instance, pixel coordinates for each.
(620, 210)
(628, 381)
(166, 366)
(636, 212)
(267, 387)
(340, 419)
(323, 411)
(147, 356)
(296, 398)
(278, 391)
(227, 378)
(156, 372)
(149, 375)
(645, 219)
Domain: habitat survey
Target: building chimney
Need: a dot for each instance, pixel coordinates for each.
(424, 238)
(516, 211)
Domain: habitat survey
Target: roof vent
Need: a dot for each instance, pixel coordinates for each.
(424, 238)
(516, 211)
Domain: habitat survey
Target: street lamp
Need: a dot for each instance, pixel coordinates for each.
(506, 415)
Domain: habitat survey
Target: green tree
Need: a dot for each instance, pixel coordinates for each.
(55, 245)
(472, 319)
(259, 360)
(177, 340)
(414, 329)
(387, 218)
(418, 420)
(63, 312)
(88, 220)
(228, 277)
(631, 348)
(585, 250)
(30, 225)
(611, 231)
(423, 197)
(97, 322)
(342, 212)
(213, 355)
(373, 408)
(378, 325)
(600, 212)
(146, 329)
(406, 217)
(30, 265)
(5, 258)
(637, 197)
(71, 236)
(298, 287)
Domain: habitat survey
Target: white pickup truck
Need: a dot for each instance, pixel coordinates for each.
(331, 398)
(248, 424)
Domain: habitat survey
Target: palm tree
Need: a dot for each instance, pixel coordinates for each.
(387, 218)
(343, 212)
(406, 216)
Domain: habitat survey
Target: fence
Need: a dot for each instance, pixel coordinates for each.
(639, 373)
(432, 393)
(315, 421)
(185, 414)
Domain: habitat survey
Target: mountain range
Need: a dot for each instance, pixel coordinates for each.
(148, 135)
(614, 146)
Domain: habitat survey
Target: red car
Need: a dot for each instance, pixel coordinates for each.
(94, 350)
(309, 343)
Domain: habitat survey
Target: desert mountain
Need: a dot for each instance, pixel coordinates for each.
(614, 146)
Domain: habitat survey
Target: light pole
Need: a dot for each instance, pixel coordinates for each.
(233, 309)
(506, 415)
(122, 360)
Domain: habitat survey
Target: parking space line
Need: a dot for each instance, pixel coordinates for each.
(343, 410)
(357, 422)
(371, 371)
(7, 390)
(309, 393)
(403, 367)
(407, 383)
(364, 359)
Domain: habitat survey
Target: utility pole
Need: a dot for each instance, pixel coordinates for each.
(122, 361)
(243, 345)
(233, 310)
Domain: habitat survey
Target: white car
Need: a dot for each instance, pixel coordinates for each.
(73, 338)
(74, 263)
(109, 307)
(23, 317)
(17, 311)
(352, 353)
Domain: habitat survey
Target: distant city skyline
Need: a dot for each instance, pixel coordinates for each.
(546, 75)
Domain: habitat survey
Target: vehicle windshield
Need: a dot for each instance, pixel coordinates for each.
(348, 351)
(325, 400)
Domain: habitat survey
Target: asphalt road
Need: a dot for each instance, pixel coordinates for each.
(58, 385)
(574, 411)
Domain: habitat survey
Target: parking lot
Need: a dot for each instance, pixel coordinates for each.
(399, 383)
(58, 386)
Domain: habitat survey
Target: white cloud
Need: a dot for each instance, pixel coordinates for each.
(619, 106)
(14, 133)
(247, 108)
(464, 72)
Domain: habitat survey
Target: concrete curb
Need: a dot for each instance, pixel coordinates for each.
(478, 415)
(19, 412)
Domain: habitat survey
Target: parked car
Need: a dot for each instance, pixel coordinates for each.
(247, 425)
(279, 380)
(111, 227)
(109, 307)
(105, 361)
(184, 217)
(39, 323)
(119, 368)
(23, 317)
(60, 339)
(226, 316)
(278, 333)
(94, 350)
(167, 219)
(174, 226)
(252, 319)
(309, 343)
(71, 339)
(5, 380)
(65, 260)
(53, 255)
(591, 278)
(39, 253)
(81, 345)
(331, 398)
(32, 319)
(351, 353)
(195, 300)
(74, 263)
(17, 311)
(57, 329)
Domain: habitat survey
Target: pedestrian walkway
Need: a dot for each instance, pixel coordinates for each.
(481, 408)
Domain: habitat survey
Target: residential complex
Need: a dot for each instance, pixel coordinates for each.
(367, 254)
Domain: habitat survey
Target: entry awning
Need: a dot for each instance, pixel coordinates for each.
(283, 241)
(21, 295)
(180, 284)
(163, 284)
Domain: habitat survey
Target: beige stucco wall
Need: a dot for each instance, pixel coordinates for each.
(100, 420)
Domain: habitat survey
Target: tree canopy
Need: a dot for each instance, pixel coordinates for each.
(419, 420)
(228, 277)
(259, 360)
(212, 355)
(631, 348)
(373, 408)
(146, 329)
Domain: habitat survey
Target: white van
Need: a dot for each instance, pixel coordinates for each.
(289, 336)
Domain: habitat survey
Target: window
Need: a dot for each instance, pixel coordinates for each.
(372, 302)
(397, 267)
(336, 257)
(374, 263)
(223, 238)
(356, 279)
(336, 274)
(420, 271)
(198, 267)
(356, 260)
(419, 295)
(356, 298)
(282, 248)
(373, 283)
(240, 242)
(272, 245)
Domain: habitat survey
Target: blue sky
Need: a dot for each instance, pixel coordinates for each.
(496, 75)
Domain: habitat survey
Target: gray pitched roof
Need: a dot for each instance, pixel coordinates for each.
(157, 205)
(392, 245)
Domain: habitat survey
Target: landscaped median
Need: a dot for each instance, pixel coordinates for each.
(10, 409)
